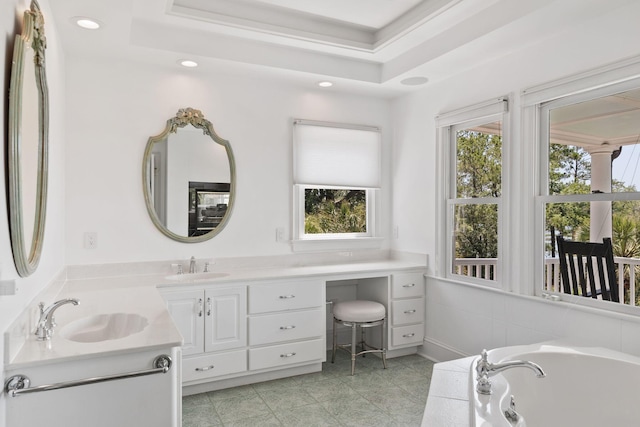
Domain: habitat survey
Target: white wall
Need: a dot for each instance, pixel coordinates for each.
(463, 319)
(52, 260)
(115, 106)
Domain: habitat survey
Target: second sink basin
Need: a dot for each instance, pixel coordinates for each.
(192, 277)
(104, 327)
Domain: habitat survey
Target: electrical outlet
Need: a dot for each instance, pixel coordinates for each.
(90, 240)
(279, 234)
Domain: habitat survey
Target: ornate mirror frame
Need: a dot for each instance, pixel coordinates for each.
(184, 117)
(27, 254)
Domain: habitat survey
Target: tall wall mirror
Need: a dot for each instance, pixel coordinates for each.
(28, 143)
(188, 175)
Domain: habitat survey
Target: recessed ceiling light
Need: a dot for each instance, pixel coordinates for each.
(86, 23)
(188, 63)
(414, 81)
(325, 84)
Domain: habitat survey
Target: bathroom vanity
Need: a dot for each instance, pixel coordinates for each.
(99, 367)
(248, 320)
(258, 325)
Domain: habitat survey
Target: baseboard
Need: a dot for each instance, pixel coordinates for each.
(249, 378)
(439, 352)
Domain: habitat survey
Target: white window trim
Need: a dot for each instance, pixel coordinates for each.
(617, 77)
(485, 112)
(302, 242)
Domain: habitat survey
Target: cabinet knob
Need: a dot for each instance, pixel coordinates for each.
(200, 307)
(208, 306)
(287, 327)
(206, 368)
(288, 355)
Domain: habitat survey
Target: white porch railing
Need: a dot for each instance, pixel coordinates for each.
(484, 268)
(481, 268)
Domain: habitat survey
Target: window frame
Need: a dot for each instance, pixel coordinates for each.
(536, 104)
(302, 241)
(447, 124)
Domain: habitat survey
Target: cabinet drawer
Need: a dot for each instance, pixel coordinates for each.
(213, 365)
(407, 335)
(274, 328)
(285, 296)
(406, 311)
(286, 354)
(407, 285)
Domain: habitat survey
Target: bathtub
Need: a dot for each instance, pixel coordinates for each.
(583, 387)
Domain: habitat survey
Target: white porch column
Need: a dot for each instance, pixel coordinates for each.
(601, 182)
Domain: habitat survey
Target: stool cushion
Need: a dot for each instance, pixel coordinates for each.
(359, 311)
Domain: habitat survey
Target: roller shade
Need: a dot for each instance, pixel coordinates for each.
(331, 155)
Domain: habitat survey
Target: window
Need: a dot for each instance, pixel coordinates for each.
(471, 142)
(336, 176)
(590, 161)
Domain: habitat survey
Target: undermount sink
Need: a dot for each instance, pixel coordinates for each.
(104, 327)
(192, 277)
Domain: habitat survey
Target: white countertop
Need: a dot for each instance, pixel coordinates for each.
(128, 288)
(144, 301)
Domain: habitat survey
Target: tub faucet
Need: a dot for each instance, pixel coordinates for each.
(46, 323)
(485, 369)
(192, 265)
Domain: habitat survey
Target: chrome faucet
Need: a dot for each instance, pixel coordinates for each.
(192, 265)
(46, 323)
(485, 369)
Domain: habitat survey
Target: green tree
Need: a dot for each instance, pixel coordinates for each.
(335, 211)
(478, 174)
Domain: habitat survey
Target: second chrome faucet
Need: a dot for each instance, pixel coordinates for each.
(484, 369)
(46, 323)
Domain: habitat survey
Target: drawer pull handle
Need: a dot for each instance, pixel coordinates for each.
(200, 307)
(411, 285)
(287, 327)
(206, 368)
(288, 355)
(409, 311)
(208, 306)
(287, 296)
(409, 335)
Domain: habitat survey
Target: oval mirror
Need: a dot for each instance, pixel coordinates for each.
(28, 143)
(188, 175)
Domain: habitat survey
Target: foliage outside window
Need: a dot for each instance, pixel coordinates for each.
(478, 187)
(331, 211)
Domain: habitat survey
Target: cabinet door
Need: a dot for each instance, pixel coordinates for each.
(187, 311)
(225, 318)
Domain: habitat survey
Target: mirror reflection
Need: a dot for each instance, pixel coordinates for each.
(189, 178)
(28, 143)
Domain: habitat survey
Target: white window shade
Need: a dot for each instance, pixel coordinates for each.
(336, 156)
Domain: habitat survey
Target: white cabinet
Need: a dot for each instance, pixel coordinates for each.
(403, 294)
(286, 323)
(210, 320)
(407, 309)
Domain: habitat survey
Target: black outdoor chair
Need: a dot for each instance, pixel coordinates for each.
(580, 279)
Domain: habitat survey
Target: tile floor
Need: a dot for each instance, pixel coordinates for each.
(373, 397)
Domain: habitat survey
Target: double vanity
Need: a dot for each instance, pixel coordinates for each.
(231, 326)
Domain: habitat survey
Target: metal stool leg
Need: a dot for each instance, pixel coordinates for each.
(354, 328)
(335, 341)
(382, 343)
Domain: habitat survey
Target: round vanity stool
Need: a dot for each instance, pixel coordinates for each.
(363, 314)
